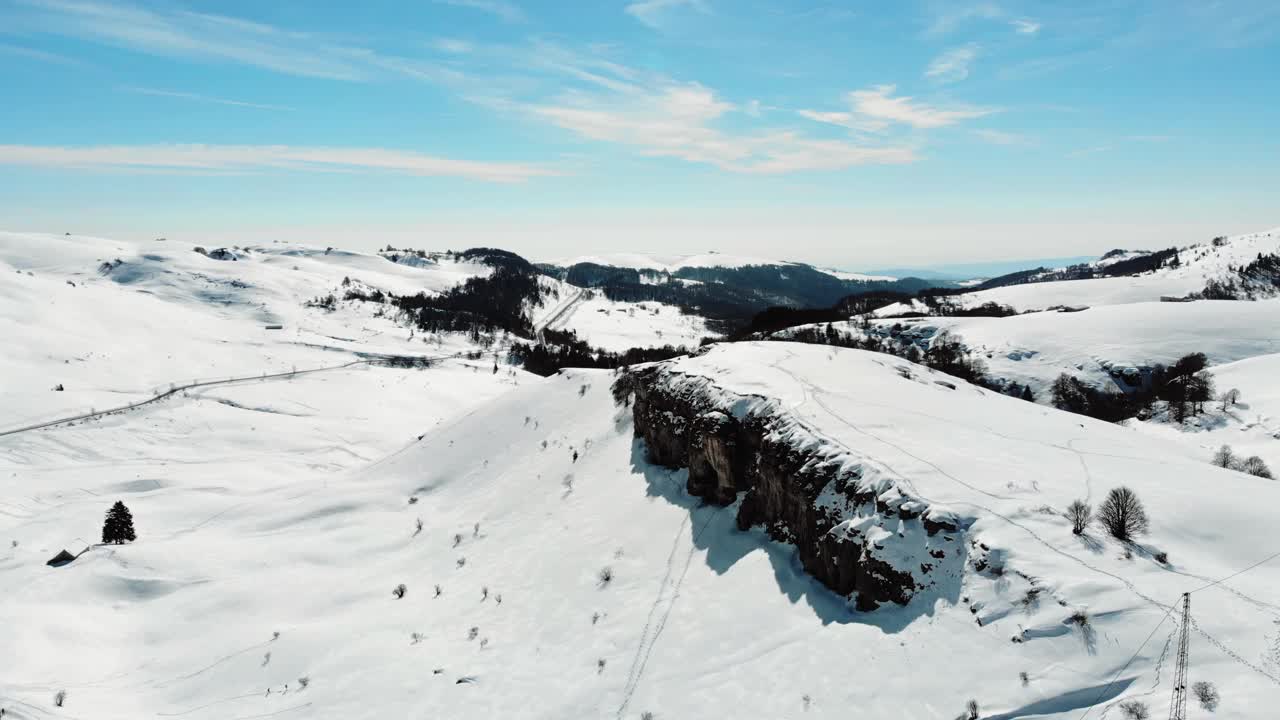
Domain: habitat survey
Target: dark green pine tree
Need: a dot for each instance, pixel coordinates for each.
(118, 527)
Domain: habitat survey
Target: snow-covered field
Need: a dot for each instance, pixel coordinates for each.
(618, 326)
(1097, 343)
(1250, 427)
(668, 262)
(275, 518)
(1198, 265)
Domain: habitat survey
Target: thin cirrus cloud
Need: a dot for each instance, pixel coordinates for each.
(196, 97)
(1000, 137)
(654, 12)
(251, 158)
(206, 37)
(877, 108)
(679, 120)
(498, 8)
(952, 65)
(1025, 27)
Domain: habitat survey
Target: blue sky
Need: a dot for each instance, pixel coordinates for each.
(849, 133)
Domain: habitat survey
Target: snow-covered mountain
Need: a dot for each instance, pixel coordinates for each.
(761, 530)
(1195, 267)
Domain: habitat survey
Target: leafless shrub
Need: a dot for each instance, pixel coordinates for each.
(473, 633)
(1080, 514)
(605, 576)
(400, 591)
(304, 681)
(1255, 466)
(59, 698)
(972, 708)
(1135, 710)
(1207, 693)
(1025, 678)
(1225, 457)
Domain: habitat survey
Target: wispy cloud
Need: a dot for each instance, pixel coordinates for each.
(1000, 137)
(876, 109)
(249, 158)
(176, 33)
(196, 97)
(452, 45)
(1024, 26)
(661, 117)
(654, 12)
(215, 38)
(499, 8)
(1086, 152)
(953, 65)
(950, 16)
(38, 55)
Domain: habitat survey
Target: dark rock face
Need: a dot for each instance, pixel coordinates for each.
(854, 534)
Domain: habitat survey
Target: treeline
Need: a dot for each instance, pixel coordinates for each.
(1259, 278)
(728, 297)
(498, 301)
(1145, 263)
(561, 349)
(945, 353)
(1185, 386)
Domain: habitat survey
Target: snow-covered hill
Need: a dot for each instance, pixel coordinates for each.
(576, 578)
(1098, 344)
(668, 262)
(598, 587)
(1198, 265)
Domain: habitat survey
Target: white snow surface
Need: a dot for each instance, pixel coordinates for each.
(1098, 343)
(669, 262)
(285, 507)
(1250, 427)
(1199, 264)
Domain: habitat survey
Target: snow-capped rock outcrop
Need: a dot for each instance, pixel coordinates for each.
(855, 527)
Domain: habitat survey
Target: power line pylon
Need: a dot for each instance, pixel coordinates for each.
(1178, 707)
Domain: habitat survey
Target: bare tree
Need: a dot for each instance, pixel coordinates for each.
(1207, 694)
(1256, 466)
(1225, 457)
(1135, 710)
(1122, 514)
(1080, 515)
(1229, 398)
(399, 591)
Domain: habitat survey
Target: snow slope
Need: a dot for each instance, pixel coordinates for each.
(252, 523)
(669, 262)
(617, 326)
(1250, 427)
(1199, 264)
(164, 314)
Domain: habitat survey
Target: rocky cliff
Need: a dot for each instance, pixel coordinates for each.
(854, 527)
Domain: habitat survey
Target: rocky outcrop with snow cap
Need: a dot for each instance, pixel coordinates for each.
(856, 529)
